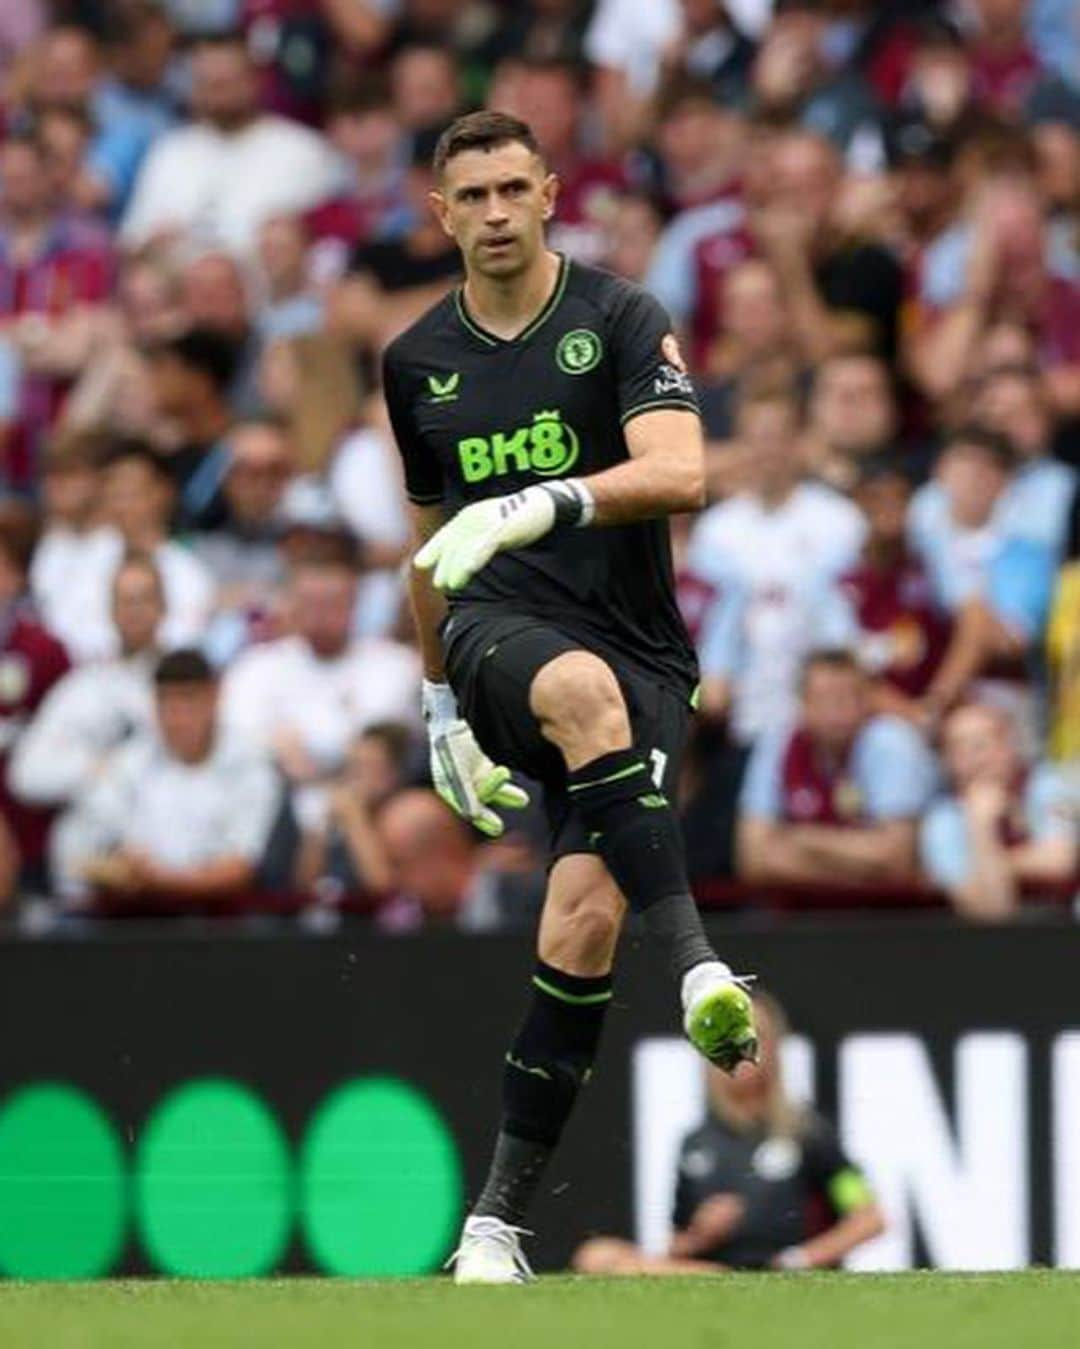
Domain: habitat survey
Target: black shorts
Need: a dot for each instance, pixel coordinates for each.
(491, 663)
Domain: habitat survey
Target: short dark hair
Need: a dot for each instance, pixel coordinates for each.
(204, 350)
(993, 444)
(184, 666)
(131, 450)
(482, 131)
(836, 658)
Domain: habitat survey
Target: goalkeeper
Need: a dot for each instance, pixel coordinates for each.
(547, 427)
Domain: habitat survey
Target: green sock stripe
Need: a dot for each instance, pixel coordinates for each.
(574, 999)
(612, 777)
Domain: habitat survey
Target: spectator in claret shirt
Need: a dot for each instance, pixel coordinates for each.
(31, 662)
(837, 796)
(884, 604)
(52, 265)
(1003, 824)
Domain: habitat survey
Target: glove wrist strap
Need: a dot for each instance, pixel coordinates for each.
(438, 703)
(574, 503)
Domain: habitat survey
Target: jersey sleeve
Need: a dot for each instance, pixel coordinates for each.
(424, 483)
(650, 372)
(832, 1174)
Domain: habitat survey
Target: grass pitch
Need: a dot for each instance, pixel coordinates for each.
(1037, 1310)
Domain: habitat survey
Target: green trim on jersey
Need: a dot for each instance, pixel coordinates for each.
(611, 777)
(574, 999)
(552, 303)
(656, 403)
(849, 1190)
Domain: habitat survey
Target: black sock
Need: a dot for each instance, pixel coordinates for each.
(545, 1068)
(637, 833)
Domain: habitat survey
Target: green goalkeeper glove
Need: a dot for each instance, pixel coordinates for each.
(471, 539)
(462, 773)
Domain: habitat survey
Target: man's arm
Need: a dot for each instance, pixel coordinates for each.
(873, 852)
(664, 475)
(427, 604)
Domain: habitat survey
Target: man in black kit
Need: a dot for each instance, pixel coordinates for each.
(558, 648)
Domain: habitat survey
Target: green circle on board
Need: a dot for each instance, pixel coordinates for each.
(213, 1193)
(380, 1181)
(62, 1188)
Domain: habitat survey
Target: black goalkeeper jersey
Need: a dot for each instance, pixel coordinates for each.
(477, 416)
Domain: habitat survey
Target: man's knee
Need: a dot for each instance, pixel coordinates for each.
(580, 707)
(580, 928)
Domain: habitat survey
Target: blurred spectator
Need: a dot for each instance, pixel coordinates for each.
(549, 96)
(1036, 504)
(888, 614)
(837, 796)
(1005, 67)
(231, 169)
(69, 538)
(701, 144)
(190, 377)
(50, 265)
(138, 498)
(290, 305)
(763, 1182)
(631, 236)
(768, 552)
(21, 24)
(243, 555)
(538, 30)
(1063, 648)
(217, 298)
(345, 858)
(626, 43)
(424, 85)
(1003, 825)
(305, 696)
(98, 706)
(310, 383)
(853, 417)
(392, 281)
(711, 47)
(31, 662)
(794, 80)
(996, 583)
(363, 128)
(437, 867)
(174, 821)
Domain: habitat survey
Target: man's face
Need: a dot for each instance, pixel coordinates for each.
(493, 204)
(978, 747)
(70, 491)
(259, 469)
(548, 100)
(1012, 405)
(67, 68)
(834, 705)
(214, 295)
(972, 481)
(186, 715)
(753, 308)
(138, 608)
(24, 183)
(884, 502)
(137, 500)
(224, 90)
(323, 599)
(852, 407)
(805, 175)
(425, 88)
(769, 431)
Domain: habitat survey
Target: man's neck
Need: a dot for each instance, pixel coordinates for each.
(506, 306)
(775, 494)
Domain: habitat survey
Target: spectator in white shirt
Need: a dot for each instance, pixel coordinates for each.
(233, 167)
(304, 697)
(768, 552)
(137, 503)
(176, 820)
(71, 491)
(96, 707)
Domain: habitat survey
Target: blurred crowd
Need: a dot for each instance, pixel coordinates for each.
(864, 218)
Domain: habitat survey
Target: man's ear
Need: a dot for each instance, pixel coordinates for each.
(550, 194)
(441, 211)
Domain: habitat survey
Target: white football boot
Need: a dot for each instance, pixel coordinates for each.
(490, 1252)
(718, 1015)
